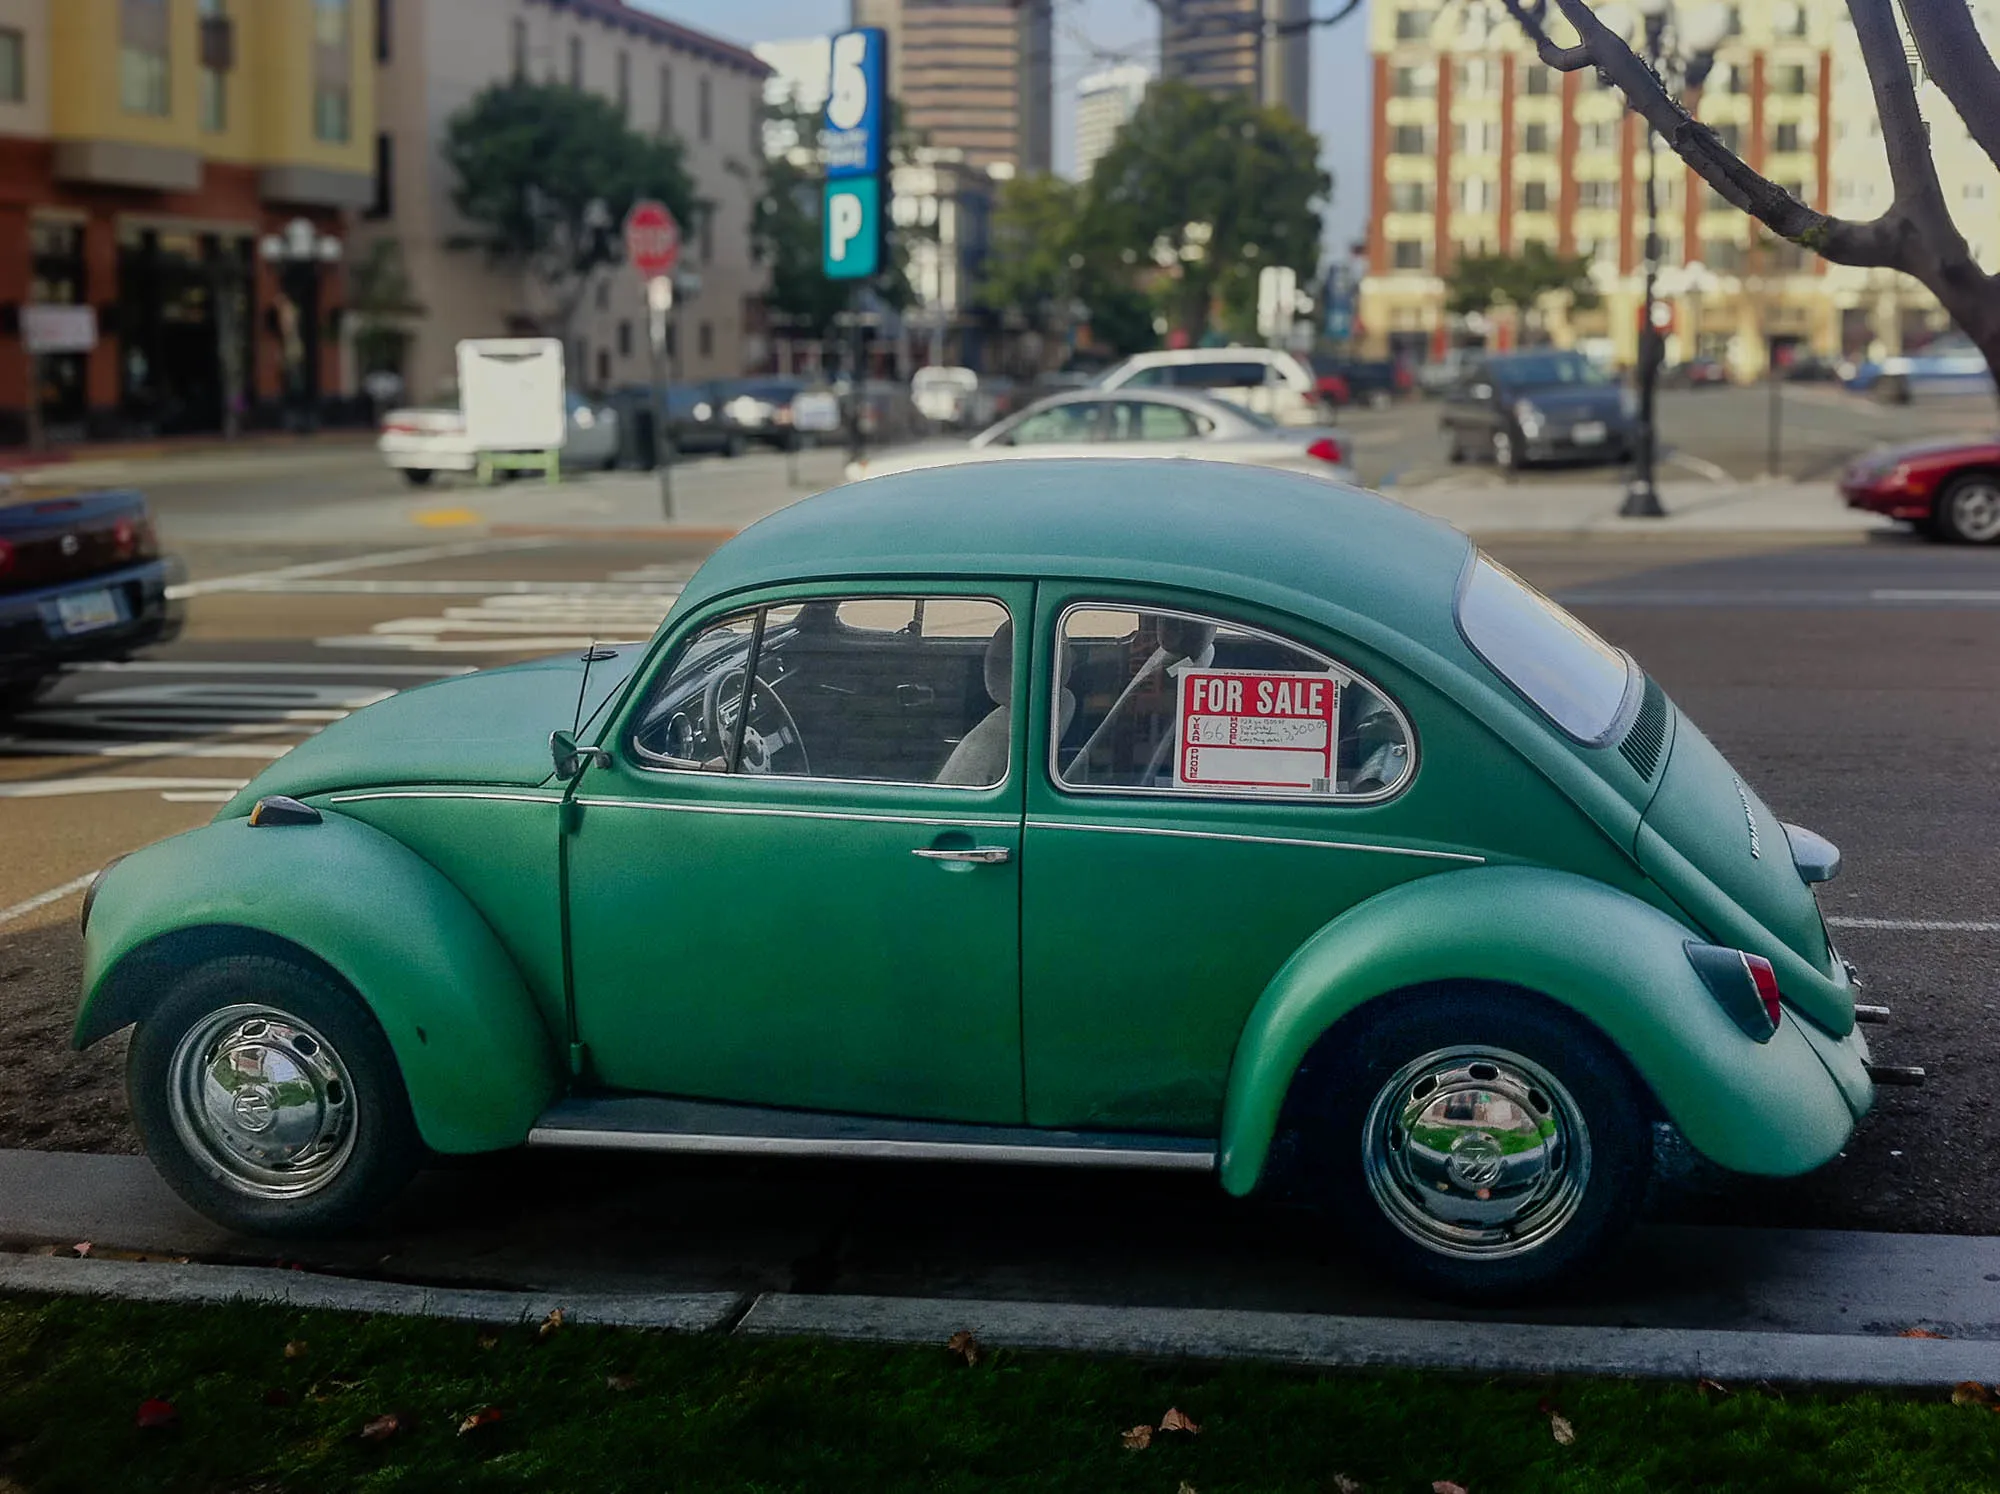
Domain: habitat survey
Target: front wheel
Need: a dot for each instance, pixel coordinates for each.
(1968, 510)
(1485, 1145)
(268, 1098)
(419, 477)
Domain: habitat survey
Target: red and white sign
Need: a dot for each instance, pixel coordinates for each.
(652, 239)
(1256, 729)
(49, 328)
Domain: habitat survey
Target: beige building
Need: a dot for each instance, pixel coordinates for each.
(1262, 48)
(1477, 146)
(1104, 101)
(973, 76)
(437, 55)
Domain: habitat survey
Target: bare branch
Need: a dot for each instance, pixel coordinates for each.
(1959, 62)
(1562, 59)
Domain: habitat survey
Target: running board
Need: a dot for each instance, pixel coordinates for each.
(643, 1124)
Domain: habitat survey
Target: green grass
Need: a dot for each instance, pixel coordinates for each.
(714, 1413)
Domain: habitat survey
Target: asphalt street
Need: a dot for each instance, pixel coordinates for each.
(1855, 679)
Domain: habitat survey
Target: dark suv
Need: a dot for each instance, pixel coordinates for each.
(1544, 406)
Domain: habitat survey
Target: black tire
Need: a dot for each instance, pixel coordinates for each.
(1968, 509)
(384, 1150)
(20, 693)
(419, 477)
(1359, 1058)
(734, 447)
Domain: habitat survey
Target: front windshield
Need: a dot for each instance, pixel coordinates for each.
(1567, 672)
(1538, 370)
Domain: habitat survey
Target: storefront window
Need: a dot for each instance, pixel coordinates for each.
(214, 79)
(332, 71)
(13, 66)
(143, 70)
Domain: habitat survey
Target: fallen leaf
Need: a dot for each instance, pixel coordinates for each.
(550, 1324)
(1446, 1486)
(621, 1382)
(1711, 1387)
(1186, 1488)
(1918, 1333)
(1342, 1484)
(296, 1349)
(965, 1346)
(156, 1416)
(277, 1397)
(1972, 1393)
(82, 1247)
(484, 1417)
(1138, 1439)
(1178, 1421)
(382, 1428)
(1561, 1430)
(489, 1340)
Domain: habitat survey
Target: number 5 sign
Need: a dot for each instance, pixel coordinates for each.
(854, 104)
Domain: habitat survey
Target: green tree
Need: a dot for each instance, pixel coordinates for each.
(381, 300)
(1483, 282)
(1209, 190)
(545, 174)
(1043, 265)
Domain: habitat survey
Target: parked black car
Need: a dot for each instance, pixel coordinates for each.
(1374, 382)
(1542, 406)
(81, 578)
(761, 408)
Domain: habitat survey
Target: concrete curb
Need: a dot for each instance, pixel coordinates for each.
(1385, 1343)
(191, 1285)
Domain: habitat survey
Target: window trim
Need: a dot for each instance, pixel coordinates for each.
(1255, 796)
(641, 760)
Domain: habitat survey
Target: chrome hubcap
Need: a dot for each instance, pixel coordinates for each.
(1975, 510)
(1476, 1152)
(265, 1099)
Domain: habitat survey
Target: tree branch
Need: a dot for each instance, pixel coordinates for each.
(1562, 59)
(1958, 60)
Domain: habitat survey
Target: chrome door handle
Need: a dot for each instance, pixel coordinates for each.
(977, 855)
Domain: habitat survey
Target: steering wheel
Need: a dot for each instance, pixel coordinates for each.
(760, 747)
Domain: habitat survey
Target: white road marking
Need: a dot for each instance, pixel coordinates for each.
(43, 899)
(529, 622)
(1700, 466)
(279, 668)
(1918, 925)
(200, 796)
(426, 644)
(49, 747)
(63, 788)
(267, 580)
(1937, 595)
(380, 588)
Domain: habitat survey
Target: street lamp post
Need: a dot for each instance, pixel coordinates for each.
(1681, 54)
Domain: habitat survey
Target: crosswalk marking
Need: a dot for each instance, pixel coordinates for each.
(544, 618)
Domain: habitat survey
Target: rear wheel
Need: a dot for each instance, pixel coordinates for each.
(1484, 1145)
(418, 477)
(1968, 509)
(268, 1098)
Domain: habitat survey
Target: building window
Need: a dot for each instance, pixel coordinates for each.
(1415, 82)
(1535, 139)
(333, 65)
(1597, 194)
(385, 27)
(142, 57)
(625, 86)
(1410, 140)
(1536, 83)
(520, 50)
(706, 343)
(214, 70)
(1534, 197)
(1409, 197)
(1789, 79)
(576, 62)
(666, 99)
(1722, 254)
(1786, 138)
(1731, 137)
(708, 238)
(1414, 25)
(603, 367)
(704, 119)
(385, 176)
(1407, 254)
(603, 295)
(13, 66)
(1599, 135)
(625, 339)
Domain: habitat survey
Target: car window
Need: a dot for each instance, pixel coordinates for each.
(1571, 675)
(1149, 420)
(1147, 378)
(1154, 700)
(875, 689)
(1221, 375)
(1071, 422)
(1248, 416)
(1538, 370)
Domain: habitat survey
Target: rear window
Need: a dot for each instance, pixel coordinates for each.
(1571, 675)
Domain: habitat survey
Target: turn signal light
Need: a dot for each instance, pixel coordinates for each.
(1326, 449)
(1743, 985)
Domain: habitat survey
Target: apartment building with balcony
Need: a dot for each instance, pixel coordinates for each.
(1480, 147)
(186, 168)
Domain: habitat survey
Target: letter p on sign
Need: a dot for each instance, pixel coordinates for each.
(851, 229)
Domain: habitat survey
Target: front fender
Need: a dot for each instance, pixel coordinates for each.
(477, 1061)
(1771, 1108)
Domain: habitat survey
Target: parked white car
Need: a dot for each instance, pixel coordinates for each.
(420, 443)
(1267, 381)
(944, 396)
(1134, 423)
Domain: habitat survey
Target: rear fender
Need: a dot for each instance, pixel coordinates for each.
(477, 1060)
(1771, 1108)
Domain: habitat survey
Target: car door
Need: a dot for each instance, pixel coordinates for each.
(1153, 428)
(1162, 895)
(815, 903)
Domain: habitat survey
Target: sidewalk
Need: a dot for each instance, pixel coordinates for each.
(110, 462)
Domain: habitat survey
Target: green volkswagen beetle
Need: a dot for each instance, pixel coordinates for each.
(1153, 815)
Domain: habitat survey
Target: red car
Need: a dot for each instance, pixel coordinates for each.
(1948, 489)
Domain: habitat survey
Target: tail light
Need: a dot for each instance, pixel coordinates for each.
(1326, 449)
(6, 557)
(124, 539)
(1743, 985)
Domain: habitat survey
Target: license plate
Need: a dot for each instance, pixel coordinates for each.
(1589, 433)
(83, 611)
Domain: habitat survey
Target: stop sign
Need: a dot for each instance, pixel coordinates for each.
(652, 239)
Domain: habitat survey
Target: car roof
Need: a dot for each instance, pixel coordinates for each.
(1186, 399)
(1296, 543)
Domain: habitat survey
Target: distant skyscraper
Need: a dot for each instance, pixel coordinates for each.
(1234, 46)
(974, 75)
(1104, 101)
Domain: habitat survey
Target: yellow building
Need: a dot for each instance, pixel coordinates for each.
(186, 168)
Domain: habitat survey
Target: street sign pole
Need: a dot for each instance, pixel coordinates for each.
(854, 205)
(659, 307)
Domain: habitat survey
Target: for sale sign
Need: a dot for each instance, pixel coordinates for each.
(1257, 729)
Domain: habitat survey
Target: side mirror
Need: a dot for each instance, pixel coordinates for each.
(570, 759)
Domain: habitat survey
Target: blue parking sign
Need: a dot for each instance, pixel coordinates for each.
(851, 228)
(855, 103)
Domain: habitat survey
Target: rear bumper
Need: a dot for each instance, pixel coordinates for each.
(32, 640)
(431, 453)
(1558, 444)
